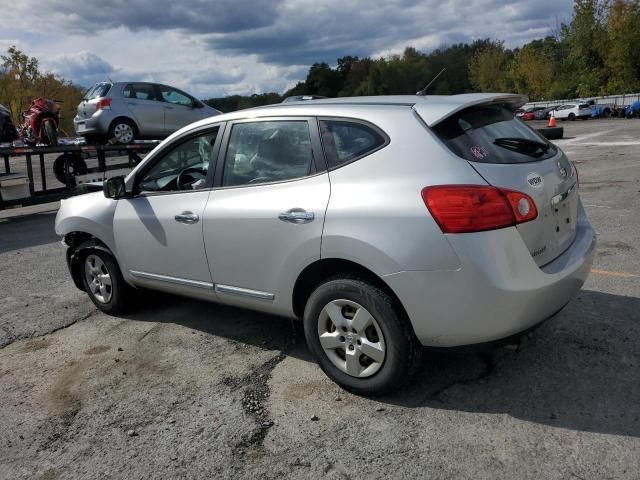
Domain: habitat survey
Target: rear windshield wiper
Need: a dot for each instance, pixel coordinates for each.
(522, 145)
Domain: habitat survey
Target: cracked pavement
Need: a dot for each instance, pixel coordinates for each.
(185, 389)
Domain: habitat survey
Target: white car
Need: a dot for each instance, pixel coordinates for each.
(383, 223)
(572, 111)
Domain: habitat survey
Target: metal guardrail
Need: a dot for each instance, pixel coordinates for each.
(623, 100)
(45, 195)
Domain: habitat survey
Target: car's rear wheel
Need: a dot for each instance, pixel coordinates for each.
(572, 116)
(103, 282)
(74, 164)
(122, 131)
(359, 337)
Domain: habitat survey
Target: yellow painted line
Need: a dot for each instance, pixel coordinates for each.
(614, 274)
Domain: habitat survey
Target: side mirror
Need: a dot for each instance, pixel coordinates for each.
(114, 187)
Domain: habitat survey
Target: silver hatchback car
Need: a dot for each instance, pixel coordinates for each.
(384, 223)
(125, 111)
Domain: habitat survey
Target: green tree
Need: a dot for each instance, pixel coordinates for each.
(488, 68)
(20, 73)
(586, 36)
(532, 72)
(623, 46)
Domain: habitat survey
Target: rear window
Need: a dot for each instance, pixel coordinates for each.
(97, 91)
(491, 134)
(345, 141)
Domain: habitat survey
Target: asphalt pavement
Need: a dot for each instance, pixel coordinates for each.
(185, 389)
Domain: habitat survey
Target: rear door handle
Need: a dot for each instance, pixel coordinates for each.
(297, 215)
(187, 217)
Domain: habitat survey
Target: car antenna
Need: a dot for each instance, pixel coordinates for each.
(423, 92)
(105, 73)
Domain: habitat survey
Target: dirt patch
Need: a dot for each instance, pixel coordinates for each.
(49, 474)
(98, 349)
(615, 244)
(62, 399)
(35, 345)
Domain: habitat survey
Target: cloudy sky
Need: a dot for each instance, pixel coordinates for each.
(221, 47)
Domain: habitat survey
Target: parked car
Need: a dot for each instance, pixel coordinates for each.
(529, 113)
(572, 111)
(602, 110)
(8, 132)
(330, 212)
(543, 113)
(126, 111)
(633, 110)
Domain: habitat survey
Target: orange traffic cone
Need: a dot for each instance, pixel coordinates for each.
(552, 121)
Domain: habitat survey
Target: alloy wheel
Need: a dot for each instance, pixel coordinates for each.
(123, 133)
(98, 278)
(351, 338)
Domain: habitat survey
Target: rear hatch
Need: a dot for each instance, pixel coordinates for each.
(507, 153)
(87, 106)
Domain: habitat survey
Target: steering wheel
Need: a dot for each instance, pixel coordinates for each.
(190, 175)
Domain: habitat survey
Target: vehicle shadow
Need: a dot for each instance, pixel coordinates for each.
(27, 231)
(579, 371)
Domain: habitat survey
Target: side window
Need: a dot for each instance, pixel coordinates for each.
(345, 140)
(269, 151)
(139, 91)
(184, 167)
(172, 95)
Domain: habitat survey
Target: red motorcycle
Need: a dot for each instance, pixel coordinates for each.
(40, 122)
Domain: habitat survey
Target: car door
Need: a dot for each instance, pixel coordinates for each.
(158, 232)
(144, 106)
(179, 109)
(263, 222)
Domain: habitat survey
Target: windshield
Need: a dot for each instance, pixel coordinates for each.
(98, 90)
(491, 134)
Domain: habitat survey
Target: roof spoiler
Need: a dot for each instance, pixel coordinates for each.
(434, 110)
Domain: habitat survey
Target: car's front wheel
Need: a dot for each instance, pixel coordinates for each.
(103, 282)
(359, 337)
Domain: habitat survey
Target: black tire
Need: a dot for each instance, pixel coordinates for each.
(119, 301)
(572, 116)
(116, 126)
(403, 351)
(75, 164)
(551, 133)
(51, 132)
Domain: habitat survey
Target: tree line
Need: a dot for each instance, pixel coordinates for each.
(596, 53)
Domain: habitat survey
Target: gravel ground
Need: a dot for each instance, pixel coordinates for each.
(185, 389)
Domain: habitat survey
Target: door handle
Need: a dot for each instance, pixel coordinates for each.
(297, 216)
(187, 217)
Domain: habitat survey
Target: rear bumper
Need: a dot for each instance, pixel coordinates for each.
(98, 124)
(498, 292)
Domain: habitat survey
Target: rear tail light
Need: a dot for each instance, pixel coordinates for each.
(476, 208)
(103, 104)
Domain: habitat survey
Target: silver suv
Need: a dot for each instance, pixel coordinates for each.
(383, 223)
(125, 111)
